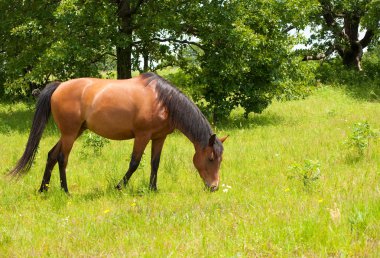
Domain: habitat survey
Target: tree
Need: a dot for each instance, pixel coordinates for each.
(46, 40)
(241, 47)
(127, 11)
(338, 25)
(148, 31)
(24, 35)
(232, 51)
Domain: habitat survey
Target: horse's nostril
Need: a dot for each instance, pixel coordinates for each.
(214, 188)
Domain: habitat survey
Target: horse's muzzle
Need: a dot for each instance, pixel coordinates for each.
(211, 188)
(214, 188)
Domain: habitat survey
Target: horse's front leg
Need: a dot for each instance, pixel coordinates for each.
(138, 150)
(157, 145)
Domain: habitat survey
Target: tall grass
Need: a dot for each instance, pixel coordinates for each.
(262, 209)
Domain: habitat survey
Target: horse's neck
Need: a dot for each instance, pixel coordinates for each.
(198, 143)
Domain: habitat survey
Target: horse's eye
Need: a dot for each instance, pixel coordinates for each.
(211, 157)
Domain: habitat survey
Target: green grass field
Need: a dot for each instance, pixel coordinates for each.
(290, 187)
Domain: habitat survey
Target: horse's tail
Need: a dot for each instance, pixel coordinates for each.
(40, 119)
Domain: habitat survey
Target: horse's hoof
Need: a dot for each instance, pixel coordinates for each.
(153, 189)
(43, 190)
(119, 187)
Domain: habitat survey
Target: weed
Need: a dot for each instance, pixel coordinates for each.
(361, 136)
(358, 221)
(308, 173)
(93, 142)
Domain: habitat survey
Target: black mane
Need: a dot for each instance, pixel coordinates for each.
(183, 113)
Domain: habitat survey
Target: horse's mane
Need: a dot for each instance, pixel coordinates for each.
(183, 113)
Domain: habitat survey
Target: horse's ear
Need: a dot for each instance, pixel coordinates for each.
(211, 141)
(223, 138)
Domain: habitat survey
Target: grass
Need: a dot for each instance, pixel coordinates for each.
(260, 210)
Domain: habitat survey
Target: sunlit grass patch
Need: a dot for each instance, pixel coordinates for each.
(330, 207)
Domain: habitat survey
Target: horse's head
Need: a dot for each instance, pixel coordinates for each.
(207, 161)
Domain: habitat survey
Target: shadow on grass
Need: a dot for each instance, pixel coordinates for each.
(367, 92)
(16, 120)
(94, 194)
(358, 85)
(255, 120)
(111, 191)
(372, 95)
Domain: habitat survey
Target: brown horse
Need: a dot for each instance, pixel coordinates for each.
(146, 108)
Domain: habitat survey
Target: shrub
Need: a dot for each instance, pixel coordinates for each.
(308, 173)
(361, 136)
(93, 142)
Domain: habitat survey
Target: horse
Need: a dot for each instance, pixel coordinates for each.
(146, 108)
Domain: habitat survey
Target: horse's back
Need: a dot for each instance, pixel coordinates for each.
(115, 109)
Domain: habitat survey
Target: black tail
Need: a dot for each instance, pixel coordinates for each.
(41, 117)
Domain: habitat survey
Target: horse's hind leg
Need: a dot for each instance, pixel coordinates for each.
(63, 157)
(57, 154)
(50, 163)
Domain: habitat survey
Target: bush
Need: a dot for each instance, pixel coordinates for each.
(93, 142)
(308, 173)
(361, 136)
(16, 90)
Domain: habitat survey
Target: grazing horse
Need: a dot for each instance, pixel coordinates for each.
(146, 108)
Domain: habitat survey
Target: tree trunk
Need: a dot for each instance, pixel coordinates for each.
(352, 56)
(146, 61)
(124, 52)
(124, 62)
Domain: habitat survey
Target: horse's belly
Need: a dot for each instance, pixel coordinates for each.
(118, 112)
(111, 124)
(117, 135)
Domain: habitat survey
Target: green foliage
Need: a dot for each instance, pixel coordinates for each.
(17, 89)
(232, 53)
(179, 78)
(371, 65)
(25, 33)
(360, 137)
(297, 80)
(93, 142)
(46, 40)
(308, 173)
(243, 46)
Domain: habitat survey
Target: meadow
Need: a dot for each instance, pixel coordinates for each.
(291, 186)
